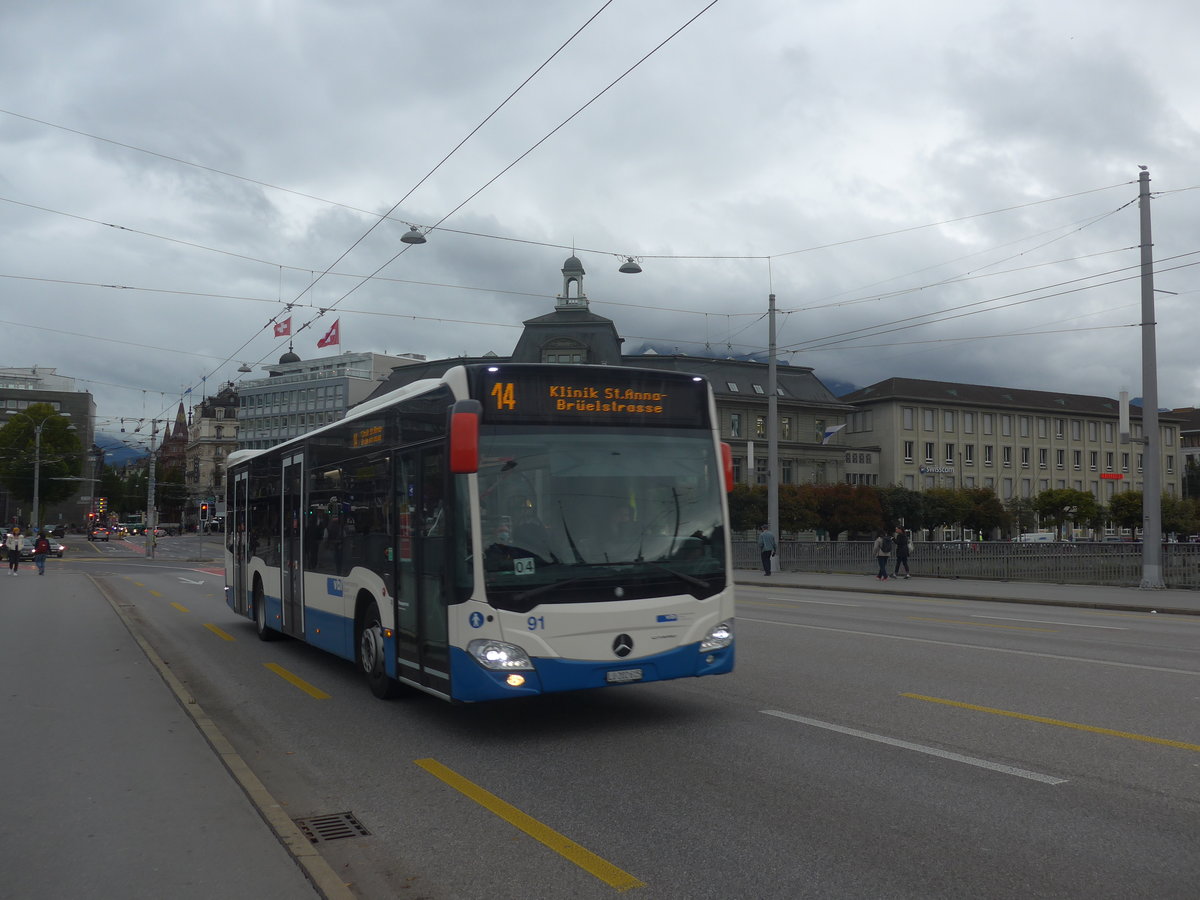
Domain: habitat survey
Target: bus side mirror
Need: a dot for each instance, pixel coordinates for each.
(464, 436)
(727, 465)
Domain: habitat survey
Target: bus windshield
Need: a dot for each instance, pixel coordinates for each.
(578, 514)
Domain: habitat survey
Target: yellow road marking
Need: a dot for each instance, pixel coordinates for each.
(1181, 745)
(978, 624)
(138, 583)
(223, 635)
(154, 593)
(564, 846)
(297, 681)
(180, 606)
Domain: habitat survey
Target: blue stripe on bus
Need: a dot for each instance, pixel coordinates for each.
(470, 682)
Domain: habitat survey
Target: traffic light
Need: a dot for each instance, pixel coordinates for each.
(203, 512)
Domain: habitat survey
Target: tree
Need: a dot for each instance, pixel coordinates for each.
(902, 505)
(1178, 515)
(945, 506)
(1022, 514)
(1191, 478)
(59, 462)
(984, 510)
(797, 508)
(747, 507)
(1125, 509)
(845, 507)
(1061, 505)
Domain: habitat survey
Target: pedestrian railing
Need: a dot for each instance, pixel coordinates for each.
(1058, 562)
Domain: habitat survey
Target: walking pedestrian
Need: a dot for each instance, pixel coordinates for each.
(13, 544)
(766, 548)
(883, 552)
(902, 551)
(41, 549)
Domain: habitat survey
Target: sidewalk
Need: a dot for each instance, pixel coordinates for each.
(115, 783)
(1089, 596)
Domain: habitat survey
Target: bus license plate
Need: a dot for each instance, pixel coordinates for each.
(621, 676)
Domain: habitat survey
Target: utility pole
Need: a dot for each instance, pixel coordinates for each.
(151, 508)
(773, 437)
(1152, 549)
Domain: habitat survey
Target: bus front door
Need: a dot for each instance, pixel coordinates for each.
(235, 542)
(422, 642)
(292, 559)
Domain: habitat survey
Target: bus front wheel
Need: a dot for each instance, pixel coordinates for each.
(372, 656)
(265, 632)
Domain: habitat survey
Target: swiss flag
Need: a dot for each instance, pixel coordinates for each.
(284, 328)
(331, 336)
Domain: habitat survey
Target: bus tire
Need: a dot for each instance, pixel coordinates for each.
(371, 655)
(265, 632)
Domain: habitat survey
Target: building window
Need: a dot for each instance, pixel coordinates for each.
(968, 423)
(1169, 437)
(739, 469)
(929, 451)
(1060, 426)
(1108, 460)
(733, 388)
(1108, 432)
(1094, 459)
(927, 421)
(1041, 426)
(1006, 426)
(1170, 464)
(1093, 431)
(908, 451)
(1139, 461)
(785, 471)
(819, 430)
(785, 428)
(968, 454)
(1077, 459)
(1043, 454)
(760, 426)
(949, 454)
(1076, 430)
(948, 421)
(1024, 457)
(906, 416)
(987, 454)
(758, 388)
(735, 425)
(1060, 459)
(1006, 456)
(1023, 425)
(760, 471)
(988, 418)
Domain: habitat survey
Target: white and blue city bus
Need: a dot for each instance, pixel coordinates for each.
(502, 531)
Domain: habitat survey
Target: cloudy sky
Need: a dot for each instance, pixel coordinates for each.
(939, 190)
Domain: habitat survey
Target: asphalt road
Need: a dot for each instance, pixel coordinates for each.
(866, 746)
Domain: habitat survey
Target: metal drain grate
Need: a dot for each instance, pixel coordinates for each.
(332, 827)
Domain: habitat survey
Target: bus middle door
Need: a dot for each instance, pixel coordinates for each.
(292, 558)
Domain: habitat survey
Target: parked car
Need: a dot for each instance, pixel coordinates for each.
(98, 534)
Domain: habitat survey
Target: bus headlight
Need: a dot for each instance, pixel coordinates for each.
(718, 637)
(499, 656)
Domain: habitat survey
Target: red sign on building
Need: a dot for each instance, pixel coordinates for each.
(1111, 476)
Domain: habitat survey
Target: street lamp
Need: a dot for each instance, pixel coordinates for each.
(37, 461)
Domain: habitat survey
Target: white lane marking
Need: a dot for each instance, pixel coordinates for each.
(919, 748)
(791, 600)
(1051, 622)
(916, 640)
(190, 581)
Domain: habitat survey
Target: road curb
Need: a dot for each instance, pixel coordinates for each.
(947, 595)
(316, 869)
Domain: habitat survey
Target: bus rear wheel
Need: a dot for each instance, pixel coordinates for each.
(372, 661)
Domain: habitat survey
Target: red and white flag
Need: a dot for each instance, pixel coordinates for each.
(284, 328)
(331, 336)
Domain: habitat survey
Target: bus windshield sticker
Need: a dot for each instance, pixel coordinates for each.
(524, 566)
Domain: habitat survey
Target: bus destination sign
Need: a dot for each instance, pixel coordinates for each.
(594, 396)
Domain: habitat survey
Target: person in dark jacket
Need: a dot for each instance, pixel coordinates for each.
(901, 542)
(41, 549)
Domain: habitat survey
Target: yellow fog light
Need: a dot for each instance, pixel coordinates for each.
(515, 680)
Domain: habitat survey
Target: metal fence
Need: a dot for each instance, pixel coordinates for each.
(1106, 563)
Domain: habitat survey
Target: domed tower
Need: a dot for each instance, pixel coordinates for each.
(572, 272)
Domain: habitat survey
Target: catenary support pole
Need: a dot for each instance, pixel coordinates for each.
(1152, 549)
